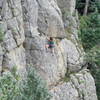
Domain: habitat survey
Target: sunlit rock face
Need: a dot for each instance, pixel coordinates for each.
(27, 24)
(80, 87)
(11, 24)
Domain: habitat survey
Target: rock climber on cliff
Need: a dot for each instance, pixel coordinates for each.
(50, 45)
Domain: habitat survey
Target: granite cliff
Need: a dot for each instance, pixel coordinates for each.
(26, 25)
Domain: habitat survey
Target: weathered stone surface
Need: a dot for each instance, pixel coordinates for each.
(35, 44)
(74, 59)
(53, 67)
(64, 91)
(67, 5)
(71, 25)
(15, 57)
(43, 20)
(84, 83)
(9, 42)
(30, 12)
(1, 57)
(11, 24)
(80, 87)
(27, 24)
(49, 19)
(3, 26)
(18, 34)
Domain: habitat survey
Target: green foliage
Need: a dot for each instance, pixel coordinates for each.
(68, 74)
(90, 37)
(67, 77)
(93, 55)
(98, 5)
(9, 87)
(90, 30)
(12, 87)
(35, 87)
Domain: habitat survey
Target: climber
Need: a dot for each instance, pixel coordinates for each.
(50, 45)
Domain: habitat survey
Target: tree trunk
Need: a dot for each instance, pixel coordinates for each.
(86, 7)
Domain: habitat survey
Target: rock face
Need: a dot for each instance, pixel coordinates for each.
(27, 24)
(78, 88)
(13, 53)
(48, 21)
(67, 5)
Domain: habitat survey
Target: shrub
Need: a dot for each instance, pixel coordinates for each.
(9, 87)
(12, 87)
(34, 87)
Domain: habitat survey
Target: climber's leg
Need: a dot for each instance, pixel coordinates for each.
(46, 47)
(52, 51)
